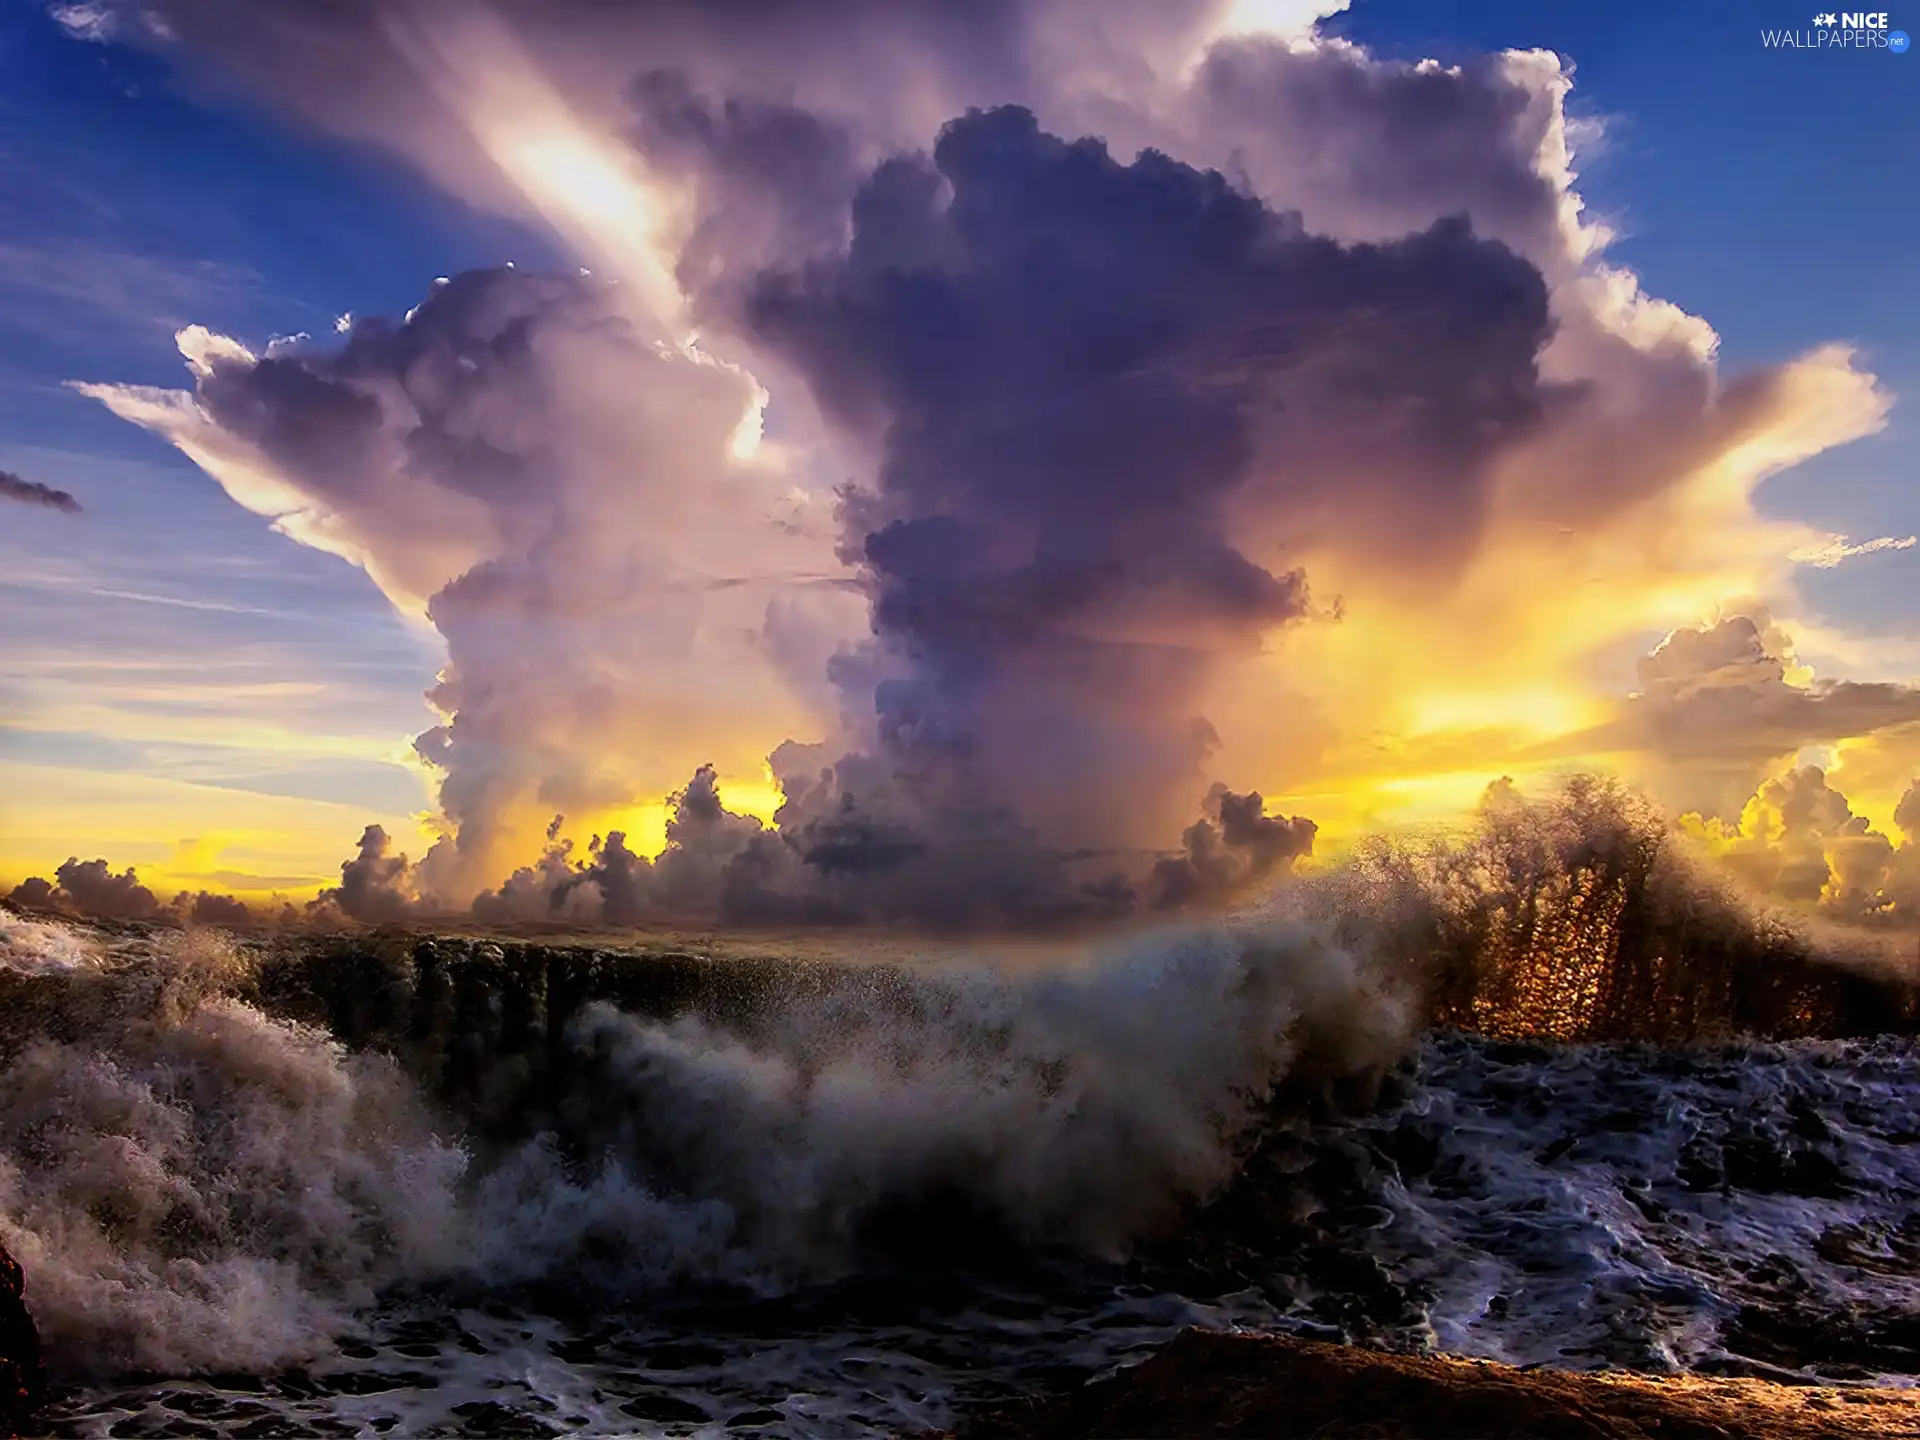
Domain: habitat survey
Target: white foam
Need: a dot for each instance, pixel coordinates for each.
(1587, 1275)
(42, 947)
(193, 1185)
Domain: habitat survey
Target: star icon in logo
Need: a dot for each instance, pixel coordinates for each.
(1826, 17)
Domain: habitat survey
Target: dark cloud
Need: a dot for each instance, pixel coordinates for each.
(36, 892)
(90, 888)
(1105, 393)
(854, 844)
(1370, 148)
(1235, 845)
(31, 492)
(774, 181)
(1105, 397)
(375, 886)
(1096, 412)
(205, 908)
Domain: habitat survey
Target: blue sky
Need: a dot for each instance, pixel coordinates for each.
(1770, 191)
(154, 639)
(129, 208)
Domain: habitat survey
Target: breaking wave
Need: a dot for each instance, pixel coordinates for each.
(192, 1183)
(196, 1182)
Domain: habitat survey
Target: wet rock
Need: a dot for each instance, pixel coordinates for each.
(664, 1409)
(273, 1427)
(1832, 1340)
(490, 1417)
(1211, 1385)
(376, 1382)
(747, 1419)
(23, 1378)
(685, 1356)
(150, 1426)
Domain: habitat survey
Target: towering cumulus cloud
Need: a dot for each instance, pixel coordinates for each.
(1013, 424)
(564, 500)
(1105, 397)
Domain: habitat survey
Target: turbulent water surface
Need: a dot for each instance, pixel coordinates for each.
(461, 1192)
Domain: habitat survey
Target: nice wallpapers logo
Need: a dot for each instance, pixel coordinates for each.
(1847, 30)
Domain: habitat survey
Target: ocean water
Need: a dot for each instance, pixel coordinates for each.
(849, 1200)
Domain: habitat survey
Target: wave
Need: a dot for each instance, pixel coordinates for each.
(196, 1178)
(191, 1183)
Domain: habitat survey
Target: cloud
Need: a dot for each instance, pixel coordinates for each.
(377, 885)
(1222, 411)
(1098, 389)
(1907, 814)
(1834, 550)
(854, 844)
(561, 498)
(90, 887)
(1799, 840)
(87, 19)
(30, 492)
(1719, 705)
(1236, 844)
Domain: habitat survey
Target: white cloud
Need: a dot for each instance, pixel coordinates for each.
(1833, 550)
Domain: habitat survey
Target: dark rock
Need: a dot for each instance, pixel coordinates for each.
(374, 1382)
(746, 1419)
(23, 1376)
(664, 1409)
(492, 1418)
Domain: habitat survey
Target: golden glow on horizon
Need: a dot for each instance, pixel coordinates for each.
(645, 826)
(1400, 712)
(1541, 712)
(183, 836)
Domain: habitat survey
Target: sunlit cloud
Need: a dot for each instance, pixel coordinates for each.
(591, 189)
(1834, 550)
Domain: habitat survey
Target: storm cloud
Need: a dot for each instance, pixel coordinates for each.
(1103, 394)
(90, 887)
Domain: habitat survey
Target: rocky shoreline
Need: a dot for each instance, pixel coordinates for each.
(23, 1379)
(1206, 1384)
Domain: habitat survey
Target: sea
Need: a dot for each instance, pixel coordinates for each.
(452, 1185)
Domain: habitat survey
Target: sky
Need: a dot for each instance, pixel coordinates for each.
(611, 570)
